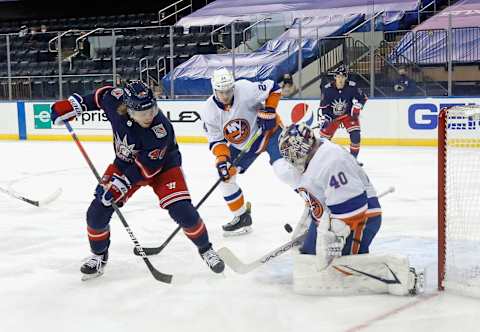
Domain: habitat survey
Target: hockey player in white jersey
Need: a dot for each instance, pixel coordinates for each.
(231, 116)
(345, 216)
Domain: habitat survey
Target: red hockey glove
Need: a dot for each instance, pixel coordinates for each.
(113, 191)
(67, 109)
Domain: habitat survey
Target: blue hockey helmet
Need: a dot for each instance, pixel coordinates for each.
(340, 70)
(138, 97)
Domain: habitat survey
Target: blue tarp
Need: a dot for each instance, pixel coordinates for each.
(427, 43)
(271, 61)
(226, 11)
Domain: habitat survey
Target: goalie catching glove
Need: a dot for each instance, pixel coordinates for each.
(114, 191)
(341, 231)
(67, 110)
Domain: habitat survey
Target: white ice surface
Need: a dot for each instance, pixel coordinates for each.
(41, 250)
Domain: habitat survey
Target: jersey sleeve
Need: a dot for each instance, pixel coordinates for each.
(360, 96)
(106, 98)
(268, 92)
(213, 129)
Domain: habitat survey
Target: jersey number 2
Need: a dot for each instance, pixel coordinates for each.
(342, 180)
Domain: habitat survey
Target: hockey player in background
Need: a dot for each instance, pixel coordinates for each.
(345, 216)
(231, 116)
(146, 154)
(340, 104)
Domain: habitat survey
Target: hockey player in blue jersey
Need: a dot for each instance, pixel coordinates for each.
(341, 103)
(146, 154)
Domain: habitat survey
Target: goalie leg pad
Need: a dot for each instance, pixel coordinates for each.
(355, 275)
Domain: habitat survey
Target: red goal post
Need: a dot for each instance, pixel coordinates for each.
(459, 199)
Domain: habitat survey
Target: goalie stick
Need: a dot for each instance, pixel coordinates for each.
(238, 266)
(38, 203)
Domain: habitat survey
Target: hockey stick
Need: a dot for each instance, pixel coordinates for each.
(38, 203)
(238, 266)
(149, 251)
(166, 278)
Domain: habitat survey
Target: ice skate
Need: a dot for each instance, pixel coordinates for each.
(213, 260)
(94, 266)
(240, 224)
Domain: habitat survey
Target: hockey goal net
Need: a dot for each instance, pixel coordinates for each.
(459, 199)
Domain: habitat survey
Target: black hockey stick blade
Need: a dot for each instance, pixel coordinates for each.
(160, 276)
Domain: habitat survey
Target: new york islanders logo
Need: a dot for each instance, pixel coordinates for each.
(236, 131)
(316, 208)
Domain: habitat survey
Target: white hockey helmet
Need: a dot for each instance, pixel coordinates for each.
(223, 84)
(295, 143)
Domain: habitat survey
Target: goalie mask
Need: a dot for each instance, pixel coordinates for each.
(295, 144)
(223, 85)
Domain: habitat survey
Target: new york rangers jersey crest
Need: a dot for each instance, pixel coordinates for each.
(337, 102)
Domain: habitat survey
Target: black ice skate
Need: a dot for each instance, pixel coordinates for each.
(94, 266)
(419, 282)
(213, 260)
(239, 225)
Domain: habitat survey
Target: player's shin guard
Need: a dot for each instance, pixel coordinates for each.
(98, 219)
(233, 195)
(355, 142)
(188, 218)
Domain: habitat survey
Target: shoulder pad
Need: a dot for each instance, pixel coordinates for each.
(117, 93)
(352, 83)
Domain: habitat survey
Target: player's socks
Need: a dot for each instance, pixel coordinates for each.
(240, 224)
(213, 260)
(94, 266)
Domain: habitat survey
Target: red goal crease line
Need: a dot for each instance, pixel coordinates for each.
(391, 313)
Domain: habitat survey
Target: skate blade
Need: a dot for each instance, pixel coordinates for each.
(86, 277)
(238, 232)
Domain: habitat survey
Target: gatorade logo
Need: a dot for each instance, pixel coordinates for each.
(41, 114)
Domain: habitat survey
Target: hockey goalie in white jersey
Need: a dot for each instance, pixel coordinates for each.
(232, 116)
(345, 216)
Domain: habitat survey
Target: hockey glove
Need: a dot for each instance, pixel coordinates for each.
(113, 191)
(341, 232)
(225, 168)
(267, 119)
(67, 109)
(327, 119)
(355, 111)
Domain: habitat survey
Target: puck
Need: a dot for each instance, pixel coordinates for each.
(288, 228)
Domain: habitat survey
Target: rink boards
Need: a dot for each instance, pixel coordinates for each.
(402, 122)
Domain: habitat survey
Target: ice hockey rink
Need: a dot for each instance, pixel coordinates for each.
(41, 250)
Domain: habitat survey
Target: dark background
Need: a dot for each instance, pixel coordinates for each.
(77, 8)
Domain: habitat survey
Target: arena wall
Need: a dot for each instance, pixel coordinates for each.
(408, 122)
